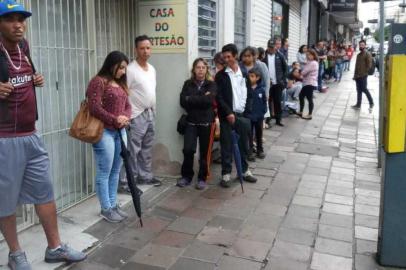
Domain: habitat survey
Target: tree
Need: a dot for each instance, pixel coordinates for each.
(386, 34)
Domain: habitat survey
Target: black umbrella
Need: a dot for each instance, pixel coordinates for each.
(135, 191)
(237, 157)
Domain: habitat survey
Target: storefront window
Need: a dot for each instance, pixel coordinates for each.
(240, 22)
(207, 25)
(280, 19)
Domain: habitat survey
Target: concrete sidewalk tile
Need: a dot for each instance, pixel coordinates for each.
(367, 200)
(208, 204)
(337, 233)
(287, 250)
(367, 210)
(219, 193)
(173, 239)
(311, 192)
(285, 264)
(314, 177)
(334, 247)
(368, 177)
(296, 236)
(264, 172)
(312, 184)
(227, 223)
(317, 171)
(338, 199)
(366, 192)
(339, 183)
(340, 190)
(233, 263)
(322, 261)
(157, 255)
(264, 221)
(175, 203)
(341, 177)
(276, 198)
(366, 233)
(301, 223)
(366, 220)
(235, 211)
(304, 211)
(217, 236)
(343, 164)
(366, 247)
(368, 185)
(87, 266)
(187, 225)
(139, 237)
(336, 220)
(248, 249)
(205, 252)
(342, 170)
(307, 201)
(111, 255)
(339, 209)
(319, 164)
(254, 233)
(163, 214)
(271, 209)
(366, 262)
(138, 266)
(187, 264)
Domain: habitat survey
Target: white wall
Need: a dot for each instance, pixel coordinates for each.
(225, 22)
(259, 18)
(304, 21)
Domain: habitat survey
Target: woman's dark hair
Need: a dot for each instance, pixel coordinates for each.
(218, 59)
(314, 54)
(252, 50)
(302, 48)
(230, 48)
(110, 67)
(208, 76)
(261, 52)
(141, 39)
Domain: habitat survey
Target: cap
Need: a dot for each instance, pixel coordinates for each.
(9, 6)
(271, 43)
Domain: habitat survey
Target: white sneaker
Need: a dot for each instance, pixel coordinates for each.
(226, 181)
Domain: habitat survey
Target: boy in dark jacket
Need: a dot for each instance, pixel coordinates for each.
(259, 109)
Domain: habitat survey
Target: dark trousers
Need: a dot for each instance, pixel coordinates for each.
(275, 93)
(307, 92)
(242, 127)
(362, 88)
(189, 149)
(257, 129)
(320, 76)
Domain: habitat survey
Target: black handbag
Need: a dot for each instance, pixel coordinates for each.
(182, 123)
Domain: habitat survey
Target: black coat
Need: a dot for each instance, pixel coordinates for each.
(225, 95)
(281, 68)
(198, 105)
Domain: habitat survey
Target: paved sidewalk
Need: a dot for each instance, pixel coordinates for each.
(315, 206)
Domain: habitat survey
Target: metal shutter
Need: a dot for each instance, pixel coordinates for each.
(261, 23)
(294, 29)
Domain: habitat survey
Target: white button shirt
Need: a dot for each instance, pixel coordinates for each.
(271, 68)
(239, 89)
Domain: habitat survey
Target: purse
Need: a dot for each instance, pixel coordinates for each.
(86, 127)
(182, 124)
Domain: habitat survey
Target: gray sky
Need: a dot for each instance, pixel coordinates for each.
(370, 10)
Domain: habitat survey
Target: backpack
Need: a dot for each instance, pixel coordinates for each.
(371, 70)
(4, 73)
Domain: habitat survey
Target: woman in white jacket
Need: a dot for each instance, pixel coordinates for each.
(301, 55)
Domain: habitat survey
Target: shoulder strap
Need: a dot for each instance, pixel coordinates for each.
(4, 73)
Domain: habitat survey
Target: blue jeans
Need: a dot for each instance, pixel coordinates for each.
(108, 164)
(320, 77)
(339, 71)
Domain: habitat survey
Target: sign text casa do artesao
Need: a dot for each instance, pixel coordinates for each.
(164, 22)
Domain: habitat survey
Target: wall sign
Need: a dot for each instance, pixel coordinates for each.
(164, 21)
(343, 6)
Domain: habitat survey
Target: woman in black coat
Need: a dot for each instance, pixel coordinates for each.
(197, 98)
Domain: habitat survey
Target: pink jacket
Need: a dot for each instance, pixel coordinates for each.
(310, 73)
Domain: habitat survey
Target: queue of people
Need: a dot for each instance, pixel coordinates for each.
(245, 93)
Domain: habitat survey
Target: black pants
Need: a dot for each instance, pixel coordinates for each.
(307, 91)
(242, 127)
(362, 88)
(275, 93)
(257, 128)
(189, 149)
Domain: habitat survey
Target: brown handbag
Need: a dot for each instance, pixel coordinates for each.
(86, 127)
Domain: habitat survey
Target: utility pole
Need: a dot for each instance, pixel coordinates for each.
(381, 77)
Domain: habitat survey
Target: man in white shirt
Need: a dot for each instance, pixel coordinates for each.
(234, 103)
(141, 81)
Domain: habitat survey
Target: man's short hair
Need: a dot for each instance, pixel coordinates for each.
(362, 41)
(232, 48)
(141, 39)
(255, 71)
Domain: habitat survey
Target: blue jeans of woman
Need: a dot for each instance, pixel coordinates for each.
(339, 70)
(108, 164)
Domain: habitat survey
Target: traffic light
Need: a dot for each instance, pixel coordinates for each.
(367, 31)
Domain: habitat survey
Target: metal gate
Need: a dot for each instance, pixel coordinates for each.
(69, 40)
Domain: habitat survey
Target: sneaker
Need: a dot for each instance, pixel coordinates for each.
(280, 124)
(183, 182)
(225, 181)
(307, 117)
(261, 155)
(154, 182)
(18, 261)
(124, 189)
(64, 254)
(111, 216)
(299, 114)
(371, 106)
(201, 184)
(120, 211)
(356, 107)
(248, 177)
(251, 156)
